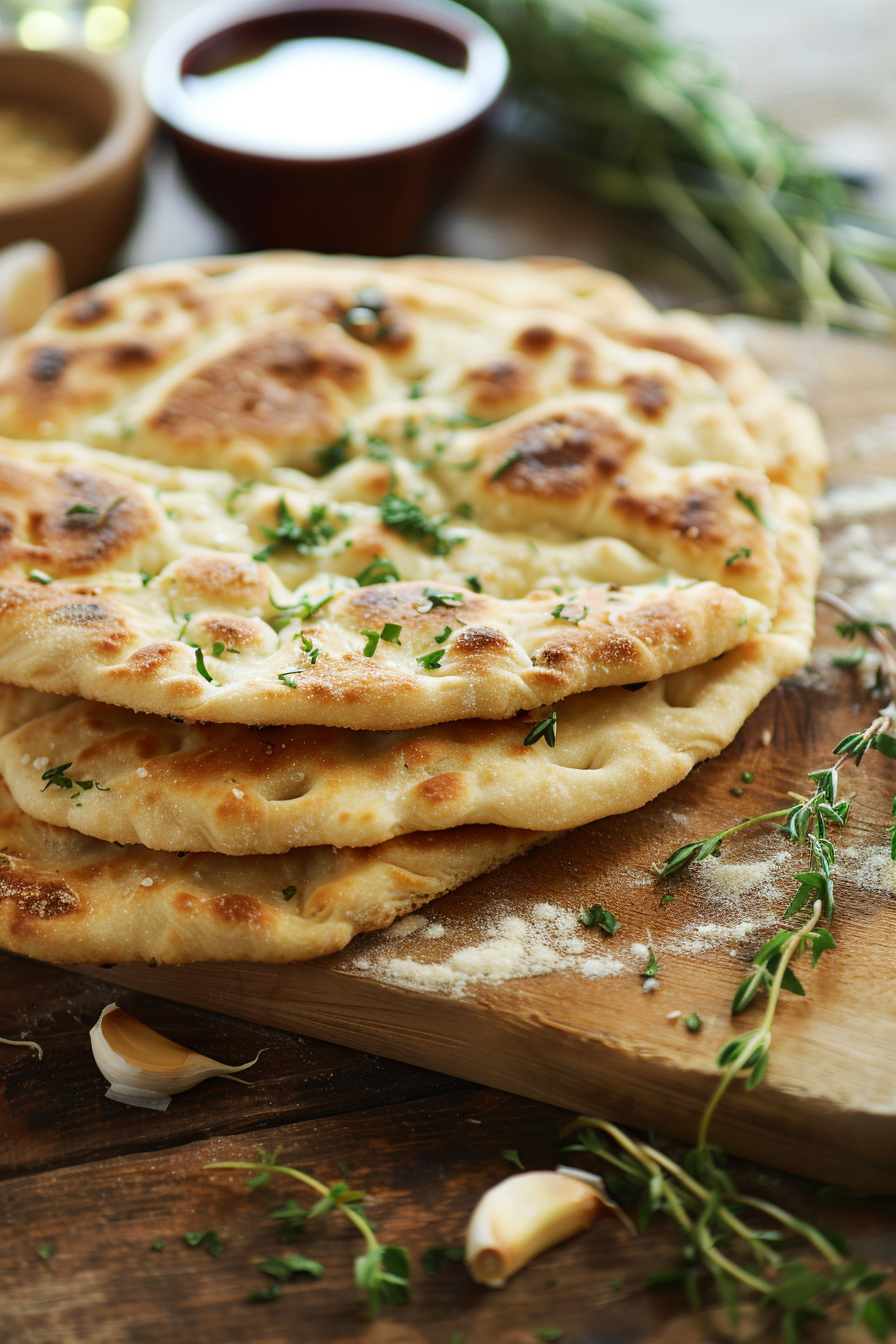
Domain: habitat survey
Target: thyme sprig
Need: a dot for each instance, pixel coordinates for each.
(703, 1202)
(381, 1271)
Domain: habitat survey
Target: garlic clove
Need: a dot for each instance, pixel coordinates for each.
(144, 1068)
(525, 1215)
(30, 280)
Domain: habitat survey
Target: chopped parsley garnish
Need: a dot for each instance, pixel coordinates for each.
(597, 916)
(46, 1252)
(201, 667)
(56, 775)
(513, 456)
(235, 493)
(289, 892)
(747, 776)
(754, 507)
(409, 520)
(473, 582)
(432, 597)
(285, 1267)
(305, 537)
(144, 577)
(511, 1155)
(334, 454)
(210, 1241)
(380, 570)
(269, 1294)
(547, 729)
(415, 391)
(389, 633)
(411, 428)
(290, 672)
(851, 658)
(158, 1246)
(82, 508)
(218, 648)
(743, 553)
(302, 609)
(464, 509)
(431, 660)
(307, 646)
(440, 639)
(559, 613)
(38, 576)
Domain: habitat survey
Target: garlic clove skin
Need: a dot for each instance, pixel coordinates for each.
(144, 1068)
(525, 1215)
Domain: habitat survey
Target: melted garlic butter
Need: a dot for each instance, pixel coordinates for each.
(36, 144)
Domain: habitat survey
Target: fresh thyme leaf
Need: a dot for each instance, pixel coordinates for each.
(547, 729)
(46, 1252)
(305, 537)
(334, 454)
(743, 553)
(81, 508)
(409, 520)
(56, 775)
(885, 744)
(201, 667)
(256, 1182)
(598, 916)
(218, 648)
(265, 1295)
(286, 1267)
(653, 967)
(383, 1272)
(511, 1155)
(513, 456)
(288, 893)
(379, 570)
(747, 776)
(851, 658)
(754, 507)
(435, 1256)
(431, 660)
(558, 613)
(440, 639)
(291, 1214)
(38, 576)
(158, 1246)
(849, 629)
(695, 852)
(210, 1241)
(693, 1022)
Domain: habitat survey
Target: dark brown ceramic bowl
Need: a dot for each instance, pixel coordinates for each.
(373, 202)
(86, 211)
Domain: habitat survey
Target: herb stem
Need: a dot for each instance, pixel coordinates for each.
(762, 1036)
(874, 633)
(351, 1214)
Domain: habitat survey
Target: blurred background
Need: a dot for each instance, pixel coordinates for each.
(826, 70)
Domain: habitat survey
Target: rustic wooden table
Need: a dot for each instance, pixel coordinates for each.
(89, 1188)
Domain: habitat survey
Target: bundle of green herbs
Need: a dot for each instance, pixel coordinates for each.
(639, 120)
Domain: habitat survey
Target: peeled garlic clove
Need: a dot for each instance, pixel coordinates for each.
(526, 1214)
(144, 1068)
(30, 280)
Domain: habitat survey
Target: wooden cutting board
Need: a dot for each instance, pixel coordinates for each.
(827, 1106)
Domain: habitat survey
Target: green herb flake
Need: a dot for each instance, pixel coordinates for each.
(693, 1022)
(82, 508)
(144, 577)
(158, 1246)
(286, 1267)
(38, 576)
(512, 457)
(289, 892)
(409, 521)
(383, 1272)
(235, 494)
(335, 454)
(379, 570)
(472, 581)
(440, 639)
(511, 1155)
(218, 648)
(265, 1295)
(559, 613)
(201, 667)
(754, 507)
(743, 553)
(209, 1241)
(431, 660)
(747, 776)
(435, 1256)
(549, 1333)
(305, 537)
(653, 967)
(373, 639)
(547, 729)
(851, 658)
(46, 1252)
(433, 597)
(597, 916)
(286, 677)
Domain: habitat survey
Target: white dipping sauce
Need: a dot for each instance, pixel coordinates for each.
(320, 96)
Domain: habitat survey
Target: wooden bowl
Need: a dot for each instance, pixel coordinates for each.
(372, 202)
(85, 211)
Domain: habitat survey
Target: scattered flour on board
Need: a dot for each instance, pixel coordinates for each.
(871, 868)
(727, 883)
(857, 501)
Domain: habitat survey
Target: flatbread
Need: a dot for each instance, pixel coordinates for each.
(65, 898)
(176, 786)
(134, 584)
(248, 363)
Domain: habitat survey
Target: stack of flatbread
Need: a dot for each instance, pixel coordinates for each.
(327, 584)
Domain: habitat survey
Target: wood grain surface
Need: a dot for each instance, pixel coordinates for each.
(604, 1044)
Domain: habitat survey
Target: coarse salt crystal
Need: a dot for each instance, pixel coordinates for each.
(673, 1016)
(146, 882)
(25, 758)
(650, 984)
(142, 771)
(237, 793)
(41, 762)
